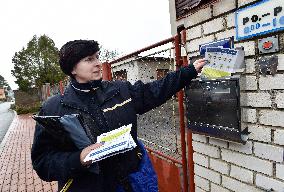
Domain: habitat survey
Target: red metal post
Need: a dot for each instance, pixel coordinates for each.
(181, 116)
(48, 90)
(106, 71)
(189, 134)
(109, 71)
(61, 88)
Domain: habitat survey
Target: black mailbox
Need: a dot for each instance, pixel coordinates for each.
(213, 109)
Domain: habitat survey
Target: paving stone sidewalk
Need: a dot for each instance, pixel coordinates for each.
(16, 172)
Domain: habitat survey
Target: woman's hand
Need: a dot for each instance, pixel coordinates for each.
(86, 151)
(198, 64)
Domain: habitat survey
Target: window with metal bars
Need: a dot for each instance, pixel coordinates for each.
(120, 75)
(184, 7)
(161, 73)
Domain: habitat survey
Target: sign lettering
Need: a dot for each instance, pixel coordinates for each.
(261, 18)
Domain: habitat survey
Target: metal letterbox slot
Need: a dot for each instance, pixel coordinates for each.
(213, 108)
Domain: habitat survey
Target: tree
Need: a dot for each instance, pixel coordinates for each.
(37, 64)
(4, 84)
(106, 55)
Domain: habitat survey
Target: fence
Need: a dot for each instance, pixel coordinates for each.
(48, 90)
(162, 130)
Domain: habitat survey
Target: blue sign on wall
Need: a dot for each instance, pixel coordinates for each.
(261, 18)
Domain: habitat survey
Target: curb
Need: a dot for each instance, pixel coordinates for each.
(3, 142)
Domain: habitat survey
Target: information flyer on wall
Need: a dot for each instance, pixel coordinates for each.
(221, 62)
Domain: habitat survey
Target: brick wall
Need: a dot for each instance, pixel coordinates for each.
(258, 165)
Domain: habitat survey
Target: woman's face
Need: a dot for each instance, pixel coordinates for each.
(88, 69)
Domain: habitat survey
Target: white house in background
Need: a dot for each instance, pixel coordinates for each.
(142, 68)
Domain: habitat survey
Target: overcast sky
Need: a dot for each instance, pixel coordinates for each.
(125, 25)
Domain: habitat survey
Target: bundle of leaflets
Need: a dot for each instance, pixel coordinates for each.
(114, 142)
(222, 62)
(58, 126)
(51, 124)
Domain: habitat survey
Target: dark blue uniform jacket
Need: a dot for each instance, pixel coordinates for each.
(115, 103)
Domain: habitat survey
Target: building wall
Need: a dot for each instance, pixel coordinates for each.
(148, 70)
(141, 70)
(258, 165)
(131, 68)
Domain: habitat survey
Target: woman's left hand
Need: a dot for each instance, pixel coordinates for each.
(86, 151)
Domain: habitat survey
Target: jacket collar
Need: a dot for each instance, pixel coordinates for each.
(103, 94)
(85, 87)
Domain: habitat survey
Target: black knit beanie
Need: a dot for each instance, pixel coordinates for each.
(73, 51)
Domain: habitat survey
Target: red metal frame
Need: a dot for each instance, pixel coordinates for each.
(189, 134)
(163, 155)
(181, 114)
